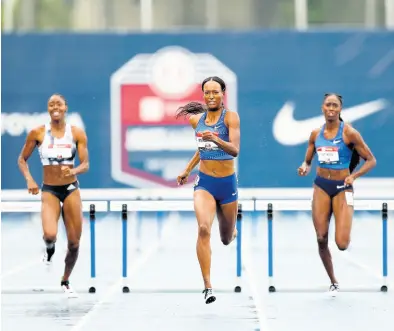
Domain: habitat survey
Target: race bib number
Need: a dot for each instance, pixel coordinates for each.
(210, 145)
(349, 198)
(328, 154)
(59, 151)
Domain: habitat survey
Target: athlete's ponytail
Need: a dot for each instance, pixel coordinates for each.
(192, 108)
(355, 160)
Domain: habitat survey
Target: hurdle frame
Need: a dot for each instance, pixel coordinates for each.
(270, 206)
(92, 224)
(161, 206)
(238, 287)
(90, 207)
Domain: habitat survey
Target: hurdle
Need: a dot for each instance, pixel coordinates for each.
(91, 207)
(270, 206)
(92, 223)
(160, 206)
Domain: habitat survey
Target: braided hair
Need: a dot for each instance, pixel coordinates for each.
(355, 160)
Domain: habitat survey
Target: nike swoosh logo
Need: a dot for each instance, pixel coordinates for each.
(289, 131)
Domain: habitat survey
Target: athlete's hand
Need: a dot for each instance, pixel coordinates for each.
(182, 178)
(209, 136)
(32, 186)
(349, 180)
(67, 172)
(304, 169)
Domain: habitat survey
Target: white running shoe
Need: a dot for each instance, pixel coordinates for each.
(209, 297)
(68, 290)
(48, 255)
(334, 289)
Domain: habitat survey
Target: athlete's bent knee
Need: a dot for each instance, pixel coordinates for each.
(204, 231)
(49, 240)
(226, 240)
(73, 245)
(322, 242)
(342, 244)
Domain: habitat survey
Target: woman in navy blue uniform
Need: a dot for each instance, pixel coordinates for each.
(217, 133)
(338, 147)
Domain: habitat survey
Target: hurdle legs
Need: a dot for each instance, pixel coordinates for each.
(239, 249)
(271, 287)
(384, 210)
(92, 221)
(384, 246)
(125, 288)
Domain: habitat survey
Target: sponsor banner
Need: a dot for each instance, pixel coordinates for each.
(124, 90)
(150, 147)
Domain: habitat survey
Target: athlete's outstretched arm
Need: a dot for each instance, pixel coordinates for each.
(27, 150)
(231, 147)
(193, 162)
(196, 157)
(182, 178)
(310, 151)
(83, 154)
(304, 169)
(363, 150)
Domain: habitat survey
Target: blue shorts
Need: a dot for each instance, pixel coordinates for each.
(331, 187)
(223, 189)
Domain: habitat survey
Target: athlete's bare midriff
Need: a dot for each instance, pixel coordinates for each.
(217, 168)
(52, 175)
(333, 174)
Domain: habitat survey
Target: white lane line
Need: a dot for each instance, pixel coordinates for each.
(253, 284)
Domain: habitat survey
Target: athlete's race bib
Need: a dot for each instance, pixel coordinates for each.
(59, 151)
(205, 144)
(349, 198)
(328, 154)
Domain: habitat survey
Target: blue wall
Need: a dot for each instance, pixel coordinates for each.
(272, 68)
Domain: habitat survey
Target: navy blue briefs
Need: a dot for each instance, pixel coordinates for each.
(331, 187)
(223, 189)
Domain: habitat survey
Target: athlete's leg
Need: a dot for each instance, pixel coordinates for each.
(50, 213)
(342, 205)
(205, 208)
(321, 213)
(227, 217)
(72, 216)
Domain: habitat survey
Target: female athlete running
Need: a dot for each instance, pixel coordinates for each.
(58, 143)
(217, 132)
(338, 147)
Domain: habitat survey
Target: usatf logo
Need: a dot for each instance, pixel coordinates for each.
(149, 147)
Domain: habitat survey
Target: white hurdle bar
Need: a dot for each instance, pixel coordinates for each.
(35, 206)
(92, 207)
(270, 206)
(161, 206)
(167, 205)
(306, 205)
